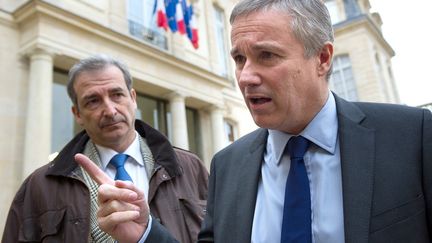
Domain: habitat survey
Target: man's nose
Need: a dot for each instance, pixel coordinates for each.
(248, 75)
(110, 108)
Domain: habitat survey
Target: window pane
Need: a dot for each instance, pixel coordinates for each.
(153, 112)
(149, 17)
(342, 79)
(337, 78)
(135, 11)
(229, 132)
(221, 40)
(193, 128)
(63, 127)
(344, 61)
(333, 10)
(348, 75)
(142, 23)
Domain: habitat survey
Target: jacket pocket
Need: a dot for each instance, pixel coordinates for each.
(406, 223)
(41, 227)
(398, 214)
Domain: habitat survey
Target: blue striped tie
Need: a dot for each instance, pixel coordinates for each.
(118, 161)
(296, 222)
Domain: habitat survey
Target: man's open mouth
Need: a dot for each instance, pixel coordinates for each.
(260, 100)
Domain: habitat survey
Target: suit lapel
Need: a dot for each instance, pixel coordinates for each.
(357, 151)
(249, 171)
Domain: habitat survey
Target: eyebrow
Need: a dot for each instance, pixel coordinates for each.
(114, 90)
(94, 95)
(89, 97)
(257, 47)
(234, 51)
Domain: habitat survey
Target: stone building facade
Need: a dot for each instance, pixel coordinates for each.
(188, 94)
(362, 69)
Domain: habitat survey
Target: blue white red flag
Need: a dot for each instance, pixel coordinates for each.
(170, 9)
(161, 18)
(193, 26)
(190, 22)
(178, 16)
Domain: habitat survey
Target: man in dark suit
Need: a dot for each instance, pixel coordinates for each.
(369, 166)
(320, 169)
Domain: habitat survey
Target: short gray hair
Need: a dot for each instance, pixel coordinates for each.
(93, 63)
(311, 23)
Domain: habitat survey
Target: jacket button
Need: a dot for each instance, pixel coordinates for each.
(164, 177)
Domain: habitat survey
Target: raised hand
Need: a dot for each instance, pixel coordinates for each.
(123, 210)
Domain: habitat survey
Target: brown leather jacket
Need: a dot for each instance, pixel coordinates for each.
(53, 203)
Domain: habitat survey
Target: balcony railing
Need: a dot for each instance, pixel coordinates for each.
(148, 35)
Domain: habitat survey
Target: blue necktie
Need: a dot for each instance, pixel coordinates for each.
(118, 161)
(296, 222)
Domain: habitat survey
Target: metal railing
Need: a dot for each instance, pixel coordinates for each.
(148, 35)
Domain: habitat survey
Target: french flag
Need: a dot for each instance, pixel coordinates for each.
(177, 16)
(161, 17)
(181, 26)
(194, 38)
(170, 9)
(190, 22)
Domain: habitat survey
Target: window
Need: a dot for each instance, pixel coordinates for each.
(342, 79)
(153, 112)
(333, 10)
(193, 128)
(384, 85)
(221, 39)
(142, 23)
(229, 132)
(63, 127)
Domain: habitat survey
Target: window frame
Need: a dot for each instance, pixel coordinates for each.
(349, 90)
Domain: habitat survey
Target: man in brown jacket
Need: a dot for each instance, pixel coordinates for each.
(58, 202)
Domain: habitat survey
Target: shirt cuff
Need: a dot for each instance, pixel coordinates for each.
(147, 231)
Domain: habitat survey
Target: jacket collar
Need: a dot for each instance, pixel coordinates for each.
(357, 151)
(162, 151)
(249, 170)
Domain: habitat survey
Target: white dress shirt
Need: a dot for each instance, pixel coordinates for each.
(322, 161)
(134, 165)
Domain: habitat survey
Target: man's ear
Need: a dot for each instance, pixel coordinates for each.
(325, 57)
(77, 115)
(133, 96)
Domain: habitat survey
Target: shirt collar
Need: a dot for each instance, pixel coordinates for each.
(134, 151)
(322, 131)
(323, 128)
(276, 142)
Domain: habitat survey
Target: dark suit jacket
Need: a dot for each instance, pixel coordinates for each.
(386, 159)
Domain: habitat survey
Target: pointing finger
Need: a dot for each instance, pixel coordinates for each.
(93, 170)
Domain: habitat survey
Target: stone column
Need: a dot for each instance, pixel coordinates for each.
(37, 145)
(218, 132)
(178, 118)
